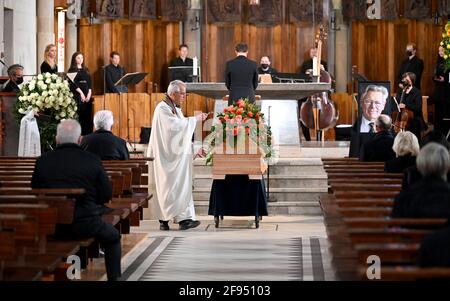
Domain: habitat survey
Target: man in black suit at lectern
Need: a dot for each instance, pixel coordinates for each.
(241, 76)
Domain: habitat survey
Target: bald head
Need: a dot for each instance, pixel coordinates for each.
(383, 123)
(68, 131)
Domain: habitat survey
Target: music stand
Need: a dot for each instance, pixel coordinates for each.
(129, 79)
(186, 71)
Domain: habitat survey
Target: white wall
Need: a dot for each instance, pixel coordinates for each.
(25, 32)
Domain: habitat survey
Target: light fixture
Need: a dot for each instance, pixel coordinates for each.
(195, 4)
(253, 2)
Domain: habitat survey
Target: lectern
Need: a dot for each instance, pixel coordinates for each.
(127, 80)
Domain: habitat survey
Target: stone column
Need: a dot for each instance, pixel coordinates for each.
(71, 40)
(45, 27)
(192, 29)
(343, 49)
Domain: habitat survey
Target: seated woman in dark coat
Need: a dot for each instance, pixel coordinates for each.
(430, 197)
(406, 147)
(411, 175)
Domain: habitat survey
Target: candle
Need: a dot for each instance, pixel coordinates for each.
(315, 69)
(195, 72)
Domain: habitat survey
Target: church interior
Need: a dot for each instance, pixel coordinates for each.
(224, 140)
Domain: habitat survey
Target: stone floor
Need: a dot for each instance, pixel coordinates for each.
(283, 248)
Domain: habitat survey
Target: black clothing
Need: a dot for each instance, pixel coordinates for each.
(414, 65)
(112, 75)
(46, 68)
(309, 65)
(412, 175)
(184, 75)
(241, 79)
(399, 164)
(68, 166)
(413, 102)
(379, 148)
(11, 86)
(441, 96)
(357, 139)
(270, 70)
(428, 198)
(105, 145)
(435, 249)
(83, 81)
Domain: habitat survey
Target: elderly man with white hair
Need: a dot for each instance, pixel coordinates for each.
(430, 197)
(68, 166)
(170, 173)
(373, 103)
(103, 142)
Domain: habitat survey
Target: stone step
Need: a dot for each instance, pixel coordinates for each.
(276, 181)
(304, 166)
(287, 208)
(294, 195)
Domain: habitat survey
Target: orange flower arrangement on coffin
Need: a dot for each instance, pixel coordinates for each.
(241, 130)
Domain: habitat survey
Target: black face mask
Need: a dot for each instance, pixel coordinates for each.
(19, 80)
(409, 53)
(264, 66)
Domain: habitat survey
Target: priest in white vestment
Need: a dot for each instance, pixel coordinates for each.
(170, 173)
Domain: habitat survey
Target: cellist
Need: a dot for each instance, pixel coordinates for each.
(412, 100)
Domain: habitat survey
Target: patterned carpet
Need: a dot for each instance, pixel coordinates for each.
(216, 258)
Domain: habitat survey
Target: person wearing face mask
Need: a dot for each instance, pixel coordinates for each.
(411, 98)
(265, 67)
(15, 73)
(441, 93)
(411, 64)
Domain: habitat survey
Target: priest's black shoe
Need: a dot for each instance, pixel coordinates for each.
(188, 224)
(164, 226)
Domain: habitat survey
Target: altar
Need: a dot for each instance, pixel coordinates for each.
(279, 103)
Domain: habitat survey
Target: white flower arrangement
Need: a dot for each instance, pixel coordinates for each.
(47, 94)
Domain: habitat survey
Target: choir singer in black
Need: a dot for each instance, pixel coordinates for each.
(113, 73)
(180, 73)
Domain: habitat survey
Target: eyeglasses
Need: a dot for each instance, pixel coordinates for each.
(375, 103)
(181, 93)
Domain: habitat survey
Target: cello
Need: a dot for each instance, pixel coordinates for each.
(319, 112)
(401, 118)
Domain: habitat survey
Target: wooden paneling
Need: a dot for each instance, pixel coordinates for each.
(378, 48)
(287, 44)
(144, 46)
(140, 109)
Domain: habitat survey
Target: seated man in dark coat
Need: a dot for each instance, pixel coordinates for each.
(68, 166)
(241, 76)
(379, 148)
(102, 142)
(430, 197)
(435, 249)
